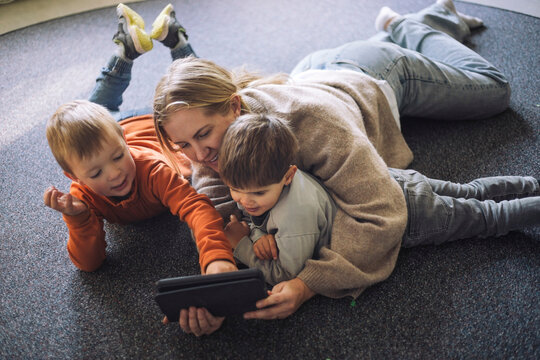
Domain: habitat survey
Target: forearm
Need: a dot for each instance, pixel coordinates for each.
(86, 243)
(273, 270)
(207, 227)
(197, 211)
(360, 255)
(367, 228)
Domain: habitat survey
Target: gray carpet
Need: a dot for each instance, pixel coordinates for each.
(469, 299)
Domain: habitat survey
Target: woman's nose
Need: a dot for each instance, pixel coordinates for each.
(200, 152)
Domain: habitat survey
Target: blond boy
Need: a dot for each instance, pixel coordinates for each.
(119, 175)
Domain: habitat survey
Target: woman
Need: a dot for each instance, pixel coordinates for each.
(345, 118)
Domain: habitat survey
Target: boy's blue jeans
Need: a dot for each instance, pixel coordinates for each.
(432, 73)
(442, 211)
(114, 80)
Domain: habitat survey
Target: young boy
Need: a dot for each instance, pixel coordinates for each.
(118, 174)
(255, 162)
(118, 171)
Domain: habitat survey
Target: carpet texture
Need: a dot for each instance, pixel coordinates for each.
(471, 299)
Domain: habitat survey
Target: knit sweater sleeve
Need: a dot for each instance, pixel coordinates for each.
(338, 118)
(369, 223)
(372, 213)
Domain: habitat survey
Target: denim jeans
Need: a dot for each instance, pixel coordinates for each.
(432, 73)
(114, 80)
(441, 211)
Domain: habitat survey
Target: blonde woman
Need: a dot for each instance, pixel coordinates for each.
(343, 105)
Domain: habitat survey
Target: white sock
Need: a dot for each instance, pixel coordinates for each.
(471, 21)
(120, 52)
(385, 17)
(182, 41)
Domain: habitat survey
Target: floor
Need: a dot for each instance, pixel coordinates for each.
(22, 13)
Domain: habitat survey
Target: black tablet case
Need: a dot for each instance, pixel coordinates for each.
(222, 294)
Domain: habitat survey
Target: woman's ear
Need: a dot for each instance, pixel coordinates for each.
(289, 175)
(236, 105)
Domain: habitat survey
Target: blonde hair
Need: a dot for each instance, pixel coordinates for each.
(80, 128)
(257, 150)
(197, 83)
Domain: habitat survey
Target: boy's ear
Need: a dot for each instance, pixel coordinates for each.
(290, 174)
(72, 177)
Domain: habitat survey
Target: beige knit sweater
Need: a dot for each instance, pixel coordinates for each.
(331, 112)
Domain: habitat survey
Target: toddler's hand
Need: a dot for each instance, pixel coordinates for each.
(236, 230)
(65, 203)
(266, 248)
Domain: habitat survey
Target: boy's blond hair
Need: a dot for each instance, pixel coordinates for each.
(257, 150)
(198, 83)
(79, 128)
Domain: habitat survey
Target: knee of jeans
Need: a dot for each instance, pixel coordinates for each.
(504, 91)
(497, 101)
(506, 97)
(302, 66)
(502, 102)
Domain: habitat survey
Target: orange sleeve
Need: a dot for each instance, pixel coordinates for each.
(197, 211)
(86, 243)
(140, 131)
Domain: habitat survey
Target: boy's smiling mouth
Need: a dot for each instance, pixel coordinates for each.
(122, 185)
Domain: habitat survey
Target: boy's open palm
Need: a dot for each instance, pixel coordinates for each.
(65, 203)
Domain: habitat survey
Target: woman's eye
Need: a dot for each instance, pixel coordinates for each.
(179, 147)
(204, 134)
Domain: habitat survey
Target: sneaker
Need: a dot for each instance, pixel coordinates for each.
(131, 35)
(128, 13)
(166, 28)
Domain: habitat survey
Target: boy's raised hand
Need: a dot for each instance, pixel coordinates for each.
(266, 248)
(236, 230)
(65, 203)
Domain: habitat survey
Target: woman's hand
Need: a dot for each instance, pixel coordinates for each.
(198, 321)
(285, 298)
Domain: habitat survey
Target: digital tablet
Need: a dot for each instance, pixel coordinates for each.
(222, 294)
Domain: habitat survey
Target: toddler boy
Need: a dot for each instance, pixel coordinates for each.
(255, 162)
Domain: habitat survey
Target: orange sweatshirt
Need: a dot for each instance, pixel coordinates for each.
(156, 188)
